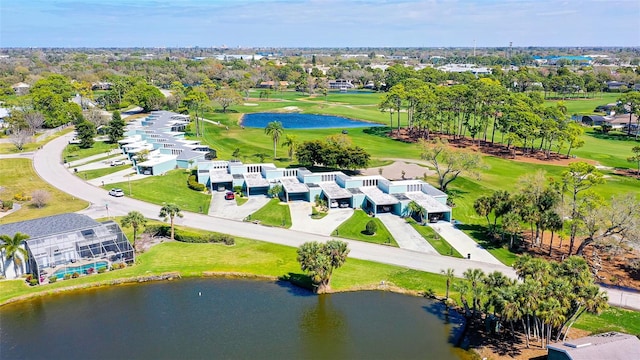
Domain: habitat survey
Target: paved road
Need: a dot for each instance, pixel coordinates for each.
(301, 218)
(48, 165)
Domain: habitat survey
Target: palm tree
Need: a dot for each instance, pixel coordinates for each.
(135, 219)
(275, 130)
(475, 278)
(12, 249)
(170, 211)
(291, 142)
(415, 209)
(449, 274)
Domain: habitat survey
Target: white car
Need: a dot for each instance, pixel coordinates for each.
(334, 204)
(116, 192)
(117, 162)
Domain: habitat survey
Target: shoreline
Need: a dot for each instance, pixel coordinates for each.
(176, 275)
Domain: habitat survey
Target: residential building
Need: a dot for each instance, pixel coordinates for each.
(21, 88)
(610, 346)
(374, 193)
(65, 243)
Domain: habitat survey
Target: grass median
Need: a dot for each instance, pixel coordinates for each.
(274, 213)
(354, 228)
(441, 245)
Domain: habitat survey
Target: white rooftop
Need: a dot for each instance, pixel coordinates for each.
(292, 185)
(220, 175)
(157, 159)
(334, 191)
(377, 196)
(255, 180)
(427, 202)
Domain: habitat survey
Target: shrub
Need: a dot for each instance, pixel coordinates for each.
(67, 276)
(237, 189)
(194, 184)
(40, 198)
(158, 230)
(7, 204)
(53, 279)
(33, 282)
(118, 265)
(21, 196)
(75, 275)
(101, 270)
(371, 228)
(28, 277)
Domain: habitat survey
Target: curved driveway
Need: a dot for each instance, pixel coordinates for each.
(48, 165)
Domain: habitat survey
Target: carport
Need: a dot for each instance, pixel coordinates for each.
(220, 180)
(294, 189)
(255, 182)
(333, 192)
(435, 209)
(377, 201)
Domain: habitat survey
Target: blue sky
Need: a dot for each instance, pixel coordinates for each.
(318, 23)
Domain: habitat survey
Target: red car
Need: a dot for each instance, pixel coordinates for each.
(229, 195)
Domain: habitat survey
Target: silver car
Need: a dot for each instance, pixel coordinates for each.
(116, 192)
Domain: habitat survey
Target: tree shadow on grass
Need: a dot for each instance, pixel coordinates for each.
(480, 235)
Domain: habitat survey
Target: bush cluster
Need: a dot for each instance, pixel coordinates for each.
(7, 204)
(371, 227)
(21, 196)
(189, 237)
(194, 184)
(53, 279)
(118, 265)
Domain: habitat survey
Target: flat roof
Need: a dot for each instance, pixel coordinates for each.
(334, 191)
(157, 159)
(611, 345)
(220, 175)
(428, 203)
(292, 185)
(255, 180)
(377, 196)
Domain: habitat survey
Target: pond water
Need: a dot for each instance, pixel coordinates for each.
(302, 121)
(206, 318)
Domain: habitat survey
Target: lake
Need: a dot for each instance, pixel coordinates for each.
(220, 318)
(302, 121)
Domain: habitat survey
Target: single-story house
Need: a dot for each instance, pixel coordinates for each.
(272, 84)
(609, 346)
(21, 88)
(65, 243)
(341, 84)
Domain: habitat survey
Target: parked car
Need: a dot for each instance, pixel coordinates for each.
(116, 192)
(117, 162)
(147, 172)
(229, 195)
(333, 204)
(344, 205)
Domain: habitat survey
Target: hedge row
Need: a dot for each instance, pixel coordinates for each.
(190, 237)
(194, 184)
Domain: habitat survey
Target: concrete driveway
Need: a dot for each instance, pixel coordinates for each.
(229, 209)
(463, 243)
(301, 218)
(405, 235)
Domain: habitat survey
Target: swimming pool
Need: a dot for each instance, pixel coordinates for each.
(82, 269)
(302, 121)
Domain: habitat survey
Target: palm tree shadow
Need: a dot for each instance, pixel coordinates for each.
(448, 317)
(479, 233)
(297, 284)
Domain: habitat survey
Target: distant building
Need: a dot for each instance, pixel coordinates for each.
(609, 346)
(272, 84)
(20, 88)
(341, 84)
(461, 68)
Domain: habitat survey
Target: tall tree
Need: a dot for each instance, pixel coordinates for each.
(116, 127)
(136, 220)
(169, 211)
(320, 259)
(226, 98)
(635, 158)
(291, 142)
(13, 250)
(86, 133)
(449, 163)
(631, 103)
(579, 177)
(449, 275)
(275, 130)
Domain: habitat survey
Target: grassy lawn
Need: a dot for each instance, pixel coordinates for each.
(608, 152)
(18, 176)
(9, 148)
(613, 319)
(96, 173)
(586, 106)
(241, 200)
(354, 229)
(275, 213)
(441, 245)
(73, 152)
(168, 188)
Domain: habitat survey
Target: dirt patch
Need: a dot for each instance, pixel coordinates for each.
(628, 172)
(145, 242)
(612, 263)
(535, 156)
(395, 171)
